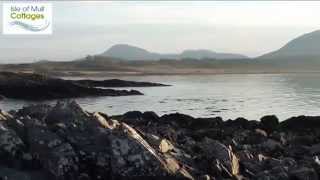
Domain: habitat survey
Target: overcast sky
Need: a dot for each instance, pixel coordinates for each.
(81, 28)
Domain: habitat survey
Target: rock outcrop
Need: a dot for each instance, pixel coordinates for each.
(39, 87)
(65, 142)
(117, 83)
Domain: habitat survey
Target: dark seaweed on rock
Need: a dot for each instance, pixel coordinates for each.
(64, 142)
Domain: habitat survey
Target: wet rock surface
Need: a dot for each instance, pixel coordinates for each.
(64, 141)
(38, 87)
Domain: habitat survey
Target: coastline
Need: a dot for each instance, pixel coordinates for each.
(67, 142)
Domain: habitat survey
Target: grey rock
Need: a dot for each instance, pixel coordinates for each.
(304, 173)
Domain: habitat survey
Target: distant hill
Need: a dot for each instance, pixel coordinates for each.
(128, 52)
(203, 53)
(306, 46)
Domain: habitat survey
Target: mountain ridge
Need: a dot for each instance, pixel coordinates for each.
(129, 52)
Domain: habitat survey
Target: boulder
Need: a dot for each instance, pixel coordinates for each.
(150, 116)
(177, 119)
(269, 123)
(241, 123)
(301, 123)
(213, 149)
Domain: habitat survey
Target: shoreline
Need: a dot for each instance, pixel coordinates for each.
(139, 145)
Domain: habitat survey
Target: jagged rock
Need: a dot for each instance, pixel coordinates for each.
(56, 156)
(66, 142)
(38, 111)
(11, 146)
(133, 156)
(87, 134)
(215, 150)
(269, 123)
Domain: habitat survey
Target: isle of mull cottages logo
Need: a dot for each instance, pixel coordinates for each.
(27, 18)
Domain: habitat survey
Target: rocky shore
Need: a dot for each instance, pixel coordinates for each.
(38, 87)
(117, 83)
(65, 142)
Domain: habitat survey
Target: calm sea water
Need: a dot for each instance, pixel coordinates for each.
(229, 96)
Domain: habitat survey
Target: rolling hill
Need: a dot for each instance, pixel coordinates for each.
(128, 52)
(303, 47)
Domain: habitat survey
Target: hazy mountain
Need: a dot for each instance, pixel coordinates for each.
(129, 52)
(204, 53)
(305, 46)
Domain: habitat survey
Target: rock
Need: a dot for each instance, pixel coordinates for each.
(165, 146)
(150, 116)
(270, 145)
(241, 123)
(38, 87)
(178, 119)
(13, 174)
(117, 83)
(38, 111)
(11, 145)
(304, 173)
(301, 123)
(133, 117)
(132, 156)
(66, 142)
(4, 115)
(1, 97)
(56, 156)
(269, 123)
(68, 112)
(215, 150)
(276, 173)
(315, 149)
(87, 134)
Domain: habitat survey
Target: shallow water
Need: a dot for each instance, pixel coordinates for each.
(229, 96)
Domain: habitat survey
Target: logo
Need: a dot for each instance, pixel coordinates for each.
(27, 18)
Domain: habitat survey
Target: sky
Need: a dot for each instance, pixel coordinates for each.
(83, 28)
